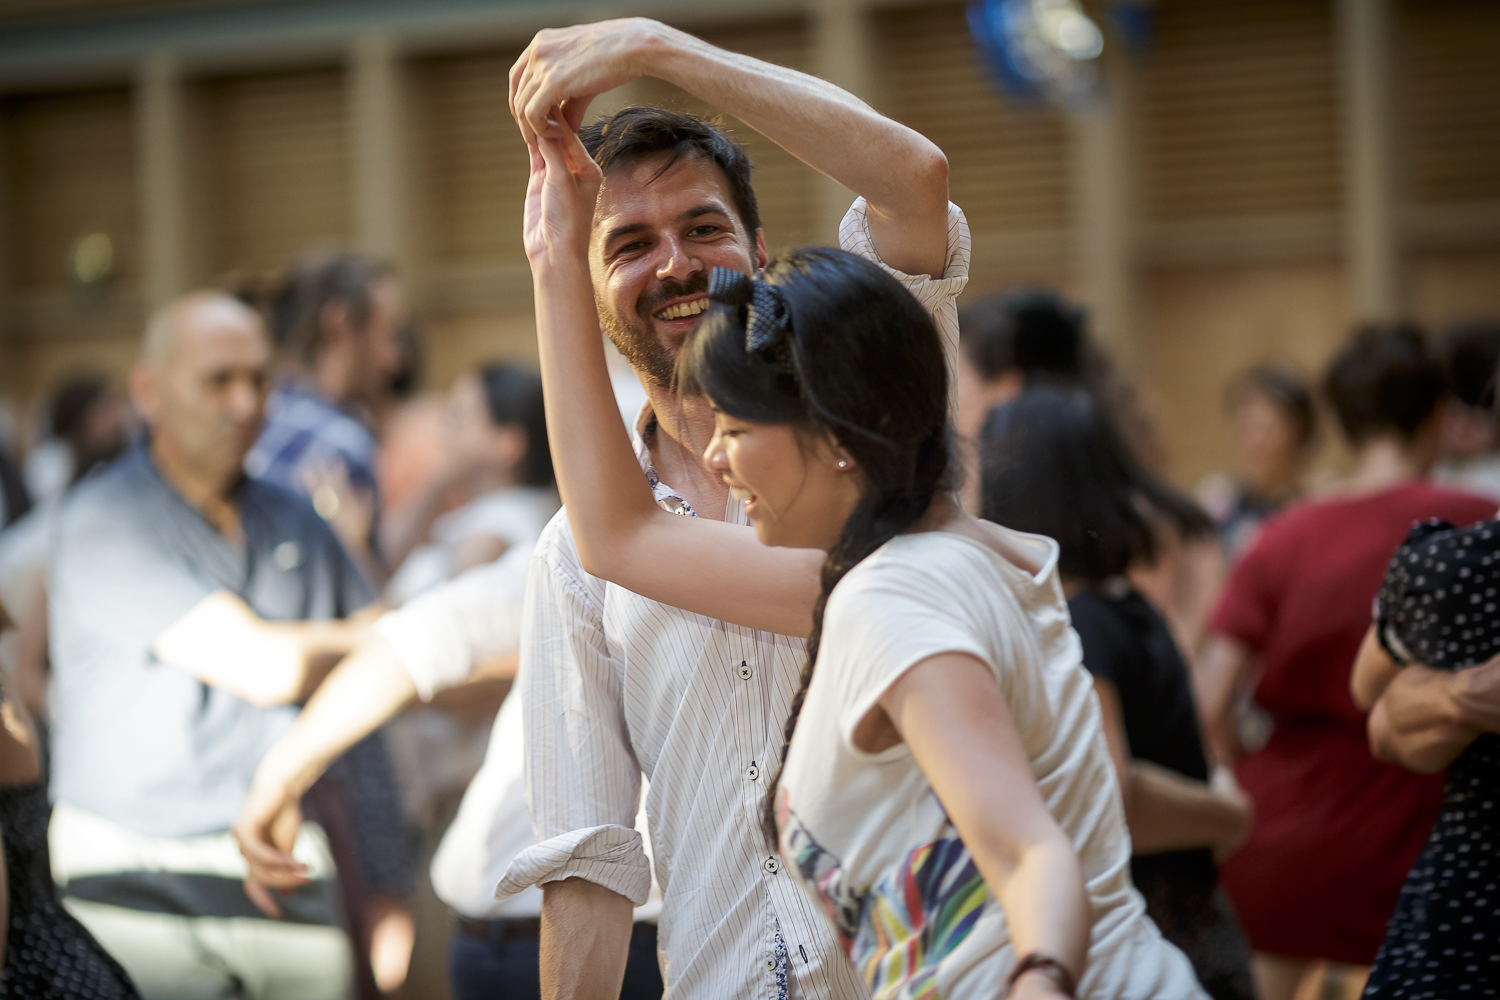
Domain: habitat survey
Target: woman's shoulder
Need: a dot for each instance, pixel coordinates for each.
(948, 575)
(946, 559)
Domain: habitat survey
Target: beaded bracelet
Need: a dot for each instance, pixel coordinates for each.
(1037, 962)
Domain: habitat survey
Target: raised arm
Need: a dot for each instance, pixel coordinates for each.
(697, 564)
(225, 644)
(900, 173)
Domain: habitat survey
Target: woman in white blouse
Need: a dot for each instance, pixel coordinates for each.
(948, 797)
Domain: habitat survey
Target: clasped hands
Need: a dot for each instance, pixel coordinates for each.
(551, 86)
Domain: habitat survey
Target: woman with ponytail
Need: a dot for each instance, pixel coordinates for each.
(948, 798)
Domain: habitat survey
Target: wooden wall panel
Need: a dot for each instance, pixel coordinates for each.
(1203, 325)
(71, 171)
(1007, 163)
(1239, 110)
(473, 164)
(278, 166)
(1449, 63)
(1448, 287)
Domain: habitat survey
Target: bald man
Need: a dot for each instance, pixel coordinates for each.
(191, 608)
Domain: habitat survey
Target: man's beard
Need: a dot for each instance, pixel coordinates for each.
(635, 338)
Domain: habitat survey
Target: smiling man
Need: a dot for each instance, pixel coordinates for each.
(617, 684)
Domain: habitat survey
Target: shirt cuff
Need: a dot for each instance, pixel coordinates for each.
(854, 236)
(609, 855)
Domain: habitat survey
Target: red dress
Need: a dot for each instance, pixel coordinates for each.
(1335, 830)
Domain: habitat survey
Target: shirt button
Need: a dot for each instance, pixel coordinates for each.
(771, 865)
(770, 964)
(752, 772)
(745, 671)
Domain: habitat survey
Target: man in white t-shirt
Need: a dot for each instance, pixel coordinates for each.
(617, 685)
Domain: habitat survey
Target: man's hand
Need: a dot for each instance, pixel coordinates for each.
(266, 832)
(566, 68)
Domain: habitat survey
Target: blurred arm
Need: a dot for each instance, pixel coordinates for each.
(1216, 677)
(1164, 810)
(1373, 672)
(224, 643)
(467, 628)
(1425, 718)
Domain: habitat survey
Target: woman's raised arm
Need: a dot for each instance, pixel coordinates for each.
(708, 567)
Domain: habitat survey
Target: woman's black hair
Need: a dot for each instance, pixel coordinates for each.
(1055, 466)
(1287, 390)
(514, 396)
(1384, 380)
(860, 360)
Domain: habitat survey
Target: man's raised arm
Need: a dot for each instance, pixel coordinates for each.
(902, 176)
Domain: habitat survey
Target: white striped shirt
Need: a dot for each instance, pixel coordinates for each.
(616, 685)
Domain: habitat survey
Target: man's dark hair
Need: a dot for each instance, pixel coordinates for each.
(514, 396)
(294, 307)
(1033, 330)
(1287, 390)
(634, 134)
(1384, 380)
(1471, 353)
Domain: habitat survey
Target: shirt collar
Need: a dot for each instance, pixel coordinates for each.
(645, 431)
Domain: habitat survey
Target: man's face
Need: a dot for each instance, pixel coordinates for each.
(655, 242)
(207, 396)
(381, 356)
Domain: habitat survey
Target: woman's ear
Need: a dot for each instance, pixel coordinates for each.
(841, 458)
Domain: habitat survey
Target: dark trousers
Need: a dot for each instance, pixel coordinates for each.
(504, 966)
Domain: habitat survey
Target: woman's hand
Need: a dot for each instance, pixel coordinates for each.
(560, 197)
(266, 832)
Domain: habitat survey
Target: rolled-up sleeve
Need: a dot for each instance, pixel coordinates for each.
(939, 295)
(582, 778)
(440, 635)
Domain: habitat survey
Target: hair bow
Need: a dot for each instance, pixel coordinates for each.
(765, 309)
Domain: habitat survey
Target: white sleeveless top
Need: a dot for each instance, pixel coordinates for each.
(866, 836)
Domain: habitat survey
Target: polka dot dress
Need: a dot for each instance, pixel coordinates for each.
(48, 954)
(1438, 607)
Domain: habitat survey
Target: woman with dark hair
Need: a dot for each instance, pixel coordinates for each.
(1335, 831)
(1055, 467)
(1273, 422)
(1429, 674)
(501, 469)
(947, 798)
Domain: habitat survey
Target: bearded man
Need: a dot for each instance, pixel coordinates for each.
(617, 684)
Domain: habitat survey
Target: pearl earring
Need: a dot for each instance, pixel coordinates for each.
(843, 464)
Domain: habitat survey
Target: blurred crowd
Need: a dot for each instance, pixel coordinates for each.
(1222, 665)
(263, 606)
